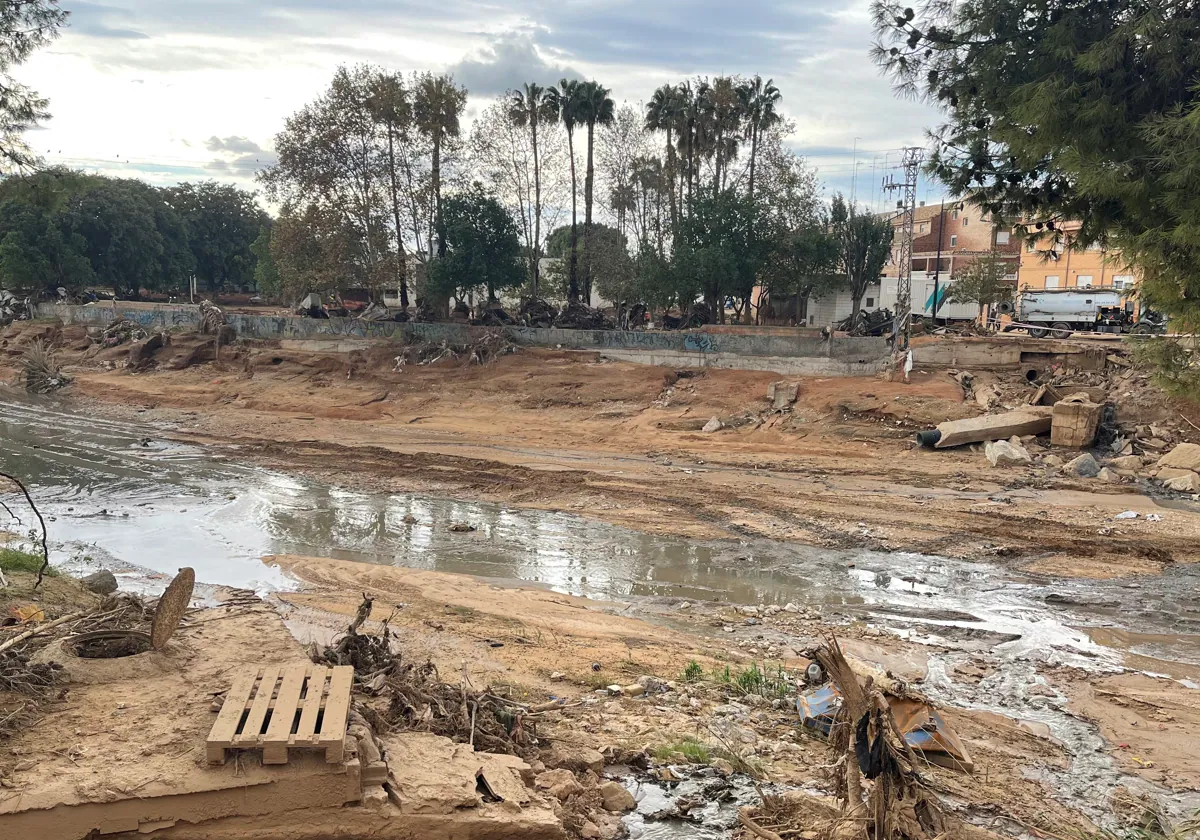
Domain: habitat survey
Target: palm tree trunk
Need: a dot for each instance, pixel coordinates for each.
(437, 194)
(573, 277)
(753, 155)
(671, 184)
(587, 217)
(690, 167)
(537, 203)
(401, 259)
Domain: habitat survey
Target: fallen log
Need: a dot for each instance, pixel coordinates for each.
(1034, 420)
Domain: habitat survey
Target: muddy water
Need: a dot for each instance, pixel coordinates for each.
(122, 495)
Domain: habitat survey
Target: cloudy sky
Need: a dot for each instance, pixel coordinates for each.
(171, 90)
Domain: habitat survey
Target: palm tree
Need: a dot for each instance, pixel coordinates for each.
(437, 105)
(648, 177)
(530, 106)
(565, 99)
(759, 100)
(663, 113)
(389, 105)
(595, 108)
(722, 107)
(693, 134)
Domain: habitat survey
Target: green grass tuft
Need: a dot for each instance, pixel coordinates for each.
(15, 560)
(696, 752)
(693, 672)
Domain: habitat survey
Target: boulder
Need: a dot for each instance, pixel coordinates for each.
(713, 425)
(1052, 461)
(558, 783)
(616, 798)
(574, 757)
(1003, 453)
(1189, 483)
(1085, 466)
(1167, 473)
(1126, 463)
(635, 690)
(1109, 474)
(102, 582)
(1185, 456)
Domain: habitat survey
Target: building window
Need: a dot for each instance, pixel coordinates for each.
(924, 227)
(1052, 281)
(953, 240)
(1002, 237)
(1084, 281)
(954, 215)
(1122, 281)
(870, 302)
(965, 219)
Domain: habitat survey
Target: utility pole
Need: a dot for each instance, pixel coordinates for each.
(908, 205)
(937, 267)
(854, 176)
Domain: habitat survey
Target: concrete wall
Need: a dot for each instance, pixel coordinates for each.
(793, 353)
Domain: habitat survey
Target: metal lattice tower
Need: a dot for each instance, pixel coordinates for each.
(908, 204)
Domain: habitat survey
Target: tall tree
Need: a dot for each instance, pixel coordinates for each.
(1067, 110)
(722, 108)
(438, 104)
(483, 249)
(664, 113)
(25, 25)
(222, 223)
(596, 107)
(566, 101)
(390, 105)
(531, 106)
(266, 272)
(864, 244)
(759, 102)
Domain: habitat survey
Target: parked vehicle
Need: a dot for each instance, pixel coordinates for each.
(1059, 312)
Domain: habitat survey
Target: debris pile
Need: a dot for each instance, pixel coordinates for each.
(698, 314)
(481, 351)
(12, 309)
(493, 315)
(41, 370)
(867, 323)
(121, 331)
(579, 316)
(535, 312)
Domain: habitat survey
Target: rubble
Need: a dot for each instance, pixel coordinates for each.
(1187, 483)
(1185, 456)
(1085, 466)
(1033, 420)
(1002, 453)
(121, 331)
(782, 394)
(1075, 422)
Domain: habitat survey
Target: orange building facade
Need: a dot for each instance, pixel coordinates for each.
(1068, 267)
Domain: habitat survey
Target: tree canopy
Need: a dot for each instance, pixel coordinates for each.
(483, 251)
(222, 224)
(864, 243)
(1067, 110)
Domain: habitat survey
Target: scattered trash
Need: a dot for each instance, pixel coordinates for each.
(1154, 517)
(928, 733)
(1129, 514)
(818, 708)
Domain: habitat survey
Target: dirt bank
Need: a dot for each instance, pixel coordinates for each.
(623, 442)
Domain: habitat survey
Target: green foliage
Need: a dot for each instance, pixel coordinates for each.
(1079, 111)
(693, 750)
(222, 224)
(313, 249)
(16, 560)
(25, 26)
(694, 672)
(1173, 361)
(864, 243)
(765, 682)
(483, 250)
(984, 281)
(266, 272)
(723, 243)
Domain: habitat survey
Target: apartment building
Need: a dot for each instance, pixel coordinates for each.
(1047, 265)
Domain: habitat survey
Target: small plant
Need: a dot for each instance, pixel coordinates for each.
(693, 672)
(693, 750)
(765, 682)
(43, 373)
(15, 560)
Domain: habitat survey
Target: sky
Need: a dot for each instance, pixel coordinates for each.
(172, 91)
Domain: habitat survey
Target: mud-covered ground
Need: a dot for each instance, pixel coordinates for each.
(623, 443)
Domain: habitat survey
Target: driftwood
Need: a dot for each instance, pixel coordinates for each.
(41, 522)
(41, 628)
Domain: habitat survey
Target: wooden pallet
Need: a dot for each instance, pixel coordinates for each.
(276, 709)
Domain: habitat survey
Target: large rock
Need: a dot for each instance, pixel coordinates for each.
(713, 425)
(102, 582)
(558, 783)
(1127, 463)
(1109, 474)
(572, 757)
(1085, 466)
(1002, 453)
(616, 798)
(1185, 456)
(1167, 473)
(1189, 483)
